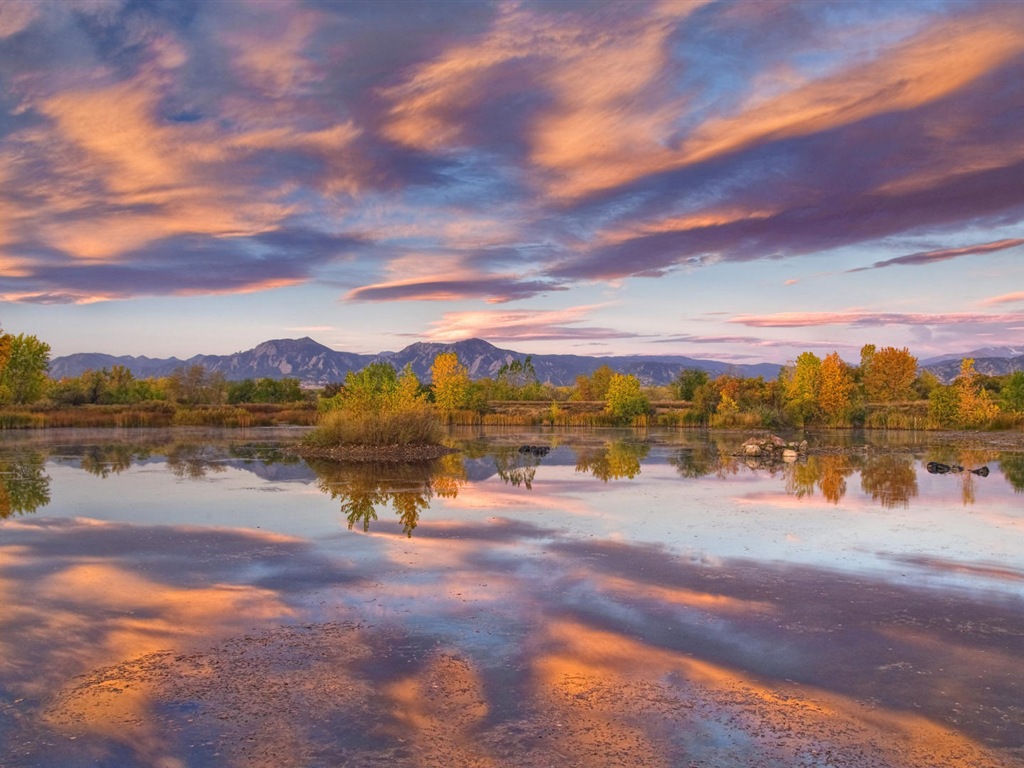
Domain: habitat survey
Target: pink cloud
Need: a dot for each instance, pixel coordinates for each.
(812, 319)
(1006, 298)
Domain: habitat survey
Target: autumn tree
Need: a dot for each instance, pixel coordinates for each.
(24, 361)
(803, 383)
(974, 404)
(194, 385)
(889, 376)
(451, 382)
(625, 400)
(835, 390)
(594, 386)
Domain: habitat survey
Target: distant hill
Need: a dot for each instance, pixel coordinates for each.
(984, 352)
(948, 370)
(315, 364)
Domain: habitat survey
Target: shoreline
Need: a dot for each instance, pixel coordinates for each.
(373, 453)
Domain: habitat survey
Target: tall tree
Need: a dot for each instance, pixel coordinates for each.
(451, 382)
(624, 399)
(975, 406)
(802, 386)
(23, 378)
(890, 376)
(687, 381)
(835, 389)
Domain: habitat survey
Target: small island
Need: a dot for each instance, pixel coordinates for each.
(379, 415)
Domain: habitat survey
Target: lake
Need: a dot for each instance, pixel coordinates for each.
(183, 597)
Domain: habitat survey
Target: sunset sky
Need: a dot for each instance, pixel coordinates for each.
(732, 180)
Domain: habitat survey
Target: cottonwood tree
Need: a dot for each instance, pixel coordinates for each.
(24, 361)
(802, 386)
(835, 389)
(890, 375)
(451, 382)
(624, 399)
(974, 404)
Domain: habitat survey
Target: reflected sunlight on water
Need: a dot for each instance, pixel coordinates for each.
(623, 598)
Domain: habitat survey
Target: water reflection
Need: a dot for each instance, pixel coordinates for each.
(613, 460)
(890, 479)
(24, 485)
(515, 467)
(1012, 465)
(111, 458)
(407, 487)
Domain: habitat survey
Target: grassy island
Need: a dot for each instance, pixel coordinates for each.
(378, 415)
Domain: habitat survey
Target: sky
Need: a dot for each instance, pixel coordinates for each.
(740, 181)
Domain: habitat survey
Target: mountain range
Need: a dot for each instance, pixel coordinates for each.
(315, 364)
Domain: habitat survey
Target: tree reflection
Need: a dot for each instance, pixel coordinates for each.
(890, 479)
(1012, 465)
(825, 473)
(111, 458)
(515, 467)
(961, 462)
(363, 487)
(613, 460)
(194, 460)
(695, 463)
(24, 486)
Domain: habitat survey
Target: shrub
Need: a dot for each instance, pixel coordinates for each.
(418, 425)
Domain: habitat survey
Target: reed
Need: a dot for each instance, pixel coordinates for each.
(412, 426)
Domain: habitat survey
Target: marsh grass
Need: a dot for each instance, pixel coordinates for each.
(411, 426)
(155, 413)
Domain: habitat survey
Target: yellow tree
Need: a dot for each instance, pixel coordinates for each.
(835, 389)
(451, 382)
(802, 385)
(974, 404)
(890, 376)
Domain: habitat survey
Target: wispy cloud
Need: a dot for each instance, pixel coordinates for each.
(497, 152)
(930, 257)
(860, 318)
(1006, 298)
(522, 325)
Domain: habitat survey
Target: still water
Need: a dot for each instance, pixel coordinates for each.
(200, 598)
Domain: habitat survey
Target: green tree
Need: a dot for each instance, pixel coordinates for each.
(944, 407)
(23, 377)
(451, 382)
(625, 400)
(1012, 395)
(687, 381)
(517, 380)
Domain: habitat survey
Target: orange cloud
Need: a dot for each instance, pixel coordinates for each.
(1006, 298)
(926, 68)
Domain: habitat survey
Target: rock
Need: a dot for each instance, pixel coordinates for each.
(751, 449)
(789, 455)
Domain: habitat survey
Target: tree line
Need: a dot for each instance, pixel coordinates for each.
(811, 391)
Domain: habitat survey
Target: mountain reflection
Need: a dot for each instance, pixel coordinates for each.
(24, 486)
(365, 486)
(613, 460)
